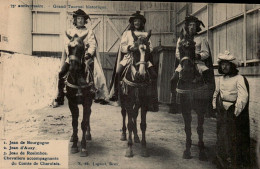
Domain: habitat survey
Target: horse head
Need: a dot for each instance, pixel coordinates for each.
(76, 53)
(187, 56)
(76, 46)
(142, 44)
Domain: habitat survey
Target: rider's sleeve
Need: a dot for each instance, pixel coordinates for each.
(124, 43)
(92, 42)
(215, 93)
(177, 53)
(204, 50)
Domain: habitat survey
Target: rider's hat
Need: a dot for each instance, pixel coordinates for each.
(198, 22)
(80, 12)
(137, 15)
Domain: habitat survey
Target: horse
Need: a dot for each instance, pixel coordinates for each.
(133, 93)
(192, 93)
(79, 87)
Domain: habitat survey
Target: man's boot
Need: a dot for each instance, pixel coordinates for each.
(59, 100)
(173, 108)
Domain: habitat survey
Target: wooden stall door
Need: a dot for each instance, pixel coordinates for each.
(114, 27)
(108, 30)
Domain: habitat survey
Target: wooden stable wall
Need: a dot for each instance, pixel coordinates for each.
(108, 20)
(233, 27)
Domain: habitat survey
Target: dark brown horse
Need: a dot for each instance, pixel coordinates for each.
(79, 85)
(192, 93)
(133, 94)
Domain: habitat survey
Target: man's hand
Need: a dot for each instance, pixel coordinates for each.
(132, 48)
(87, 56)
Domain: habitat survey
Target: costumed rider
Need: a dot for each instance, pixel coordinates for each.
(127, 49)
(80, 19)
(203, 59)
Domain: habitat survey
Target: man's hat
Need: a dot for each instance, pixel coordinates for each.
(80, 12)
(227, 57)
(137, 15)
(198, 22)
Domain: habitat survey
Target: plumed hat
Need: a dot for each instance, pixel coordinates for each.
(198, 22)
(80, 12)
(137, 15)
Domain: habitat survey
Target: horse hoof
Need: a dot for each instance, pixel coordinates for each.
(88, 137)
(123, 137)
(203, 156)
(136, 139)
(144, 152)
(74, 150)
(83, 152)
(186, 154)
(129, 153)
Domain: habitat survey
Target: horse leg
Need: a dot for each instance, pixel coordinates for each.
(85, 125)
(200, 130)
(143, 128)
(75, 115)
(136, 137)
(130, 126)
(186, 113)
(123, 136)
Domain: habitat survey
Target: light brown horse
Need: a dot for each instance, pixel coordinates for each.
(133, 94)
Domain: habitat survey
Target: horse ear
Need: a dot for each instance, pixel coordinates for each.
(182, 33)
(83, 36)
(70, 37)
(149, 34)
(134, 36)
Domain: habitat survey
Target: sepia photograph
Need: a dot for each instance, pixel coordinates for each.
(129, 85)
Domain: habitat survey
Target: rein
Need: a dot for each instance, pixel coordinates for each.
(141, 62)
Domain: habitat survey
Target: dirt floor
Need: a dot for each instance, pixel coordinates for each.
(165, 137)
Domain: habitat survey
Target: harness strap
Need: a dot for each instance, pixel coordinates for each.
(77, 87)
(134, 84)
(184, 91)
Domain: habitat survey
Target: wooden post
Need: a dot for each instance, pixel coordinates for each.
(244, 37)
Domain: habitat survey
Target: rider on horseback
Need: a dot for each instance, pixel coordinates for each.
(202, 57)
(80, 19)
(128, 47)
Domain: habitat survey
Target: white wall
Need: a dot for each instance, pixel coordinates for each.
(28, 82)
(16, 24)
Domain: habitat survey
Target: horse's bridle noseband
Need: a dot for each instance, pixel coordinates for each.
(141, 62)
(185, 58)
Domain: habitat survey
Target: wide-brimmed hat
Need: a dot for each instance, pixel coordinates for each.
(198, 22)
(80, 12)
(137, 15)
(227, 56)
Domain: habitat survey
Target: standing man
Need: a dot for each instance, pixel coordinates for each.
(80, 19)
(203, 60)
(231, 102)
